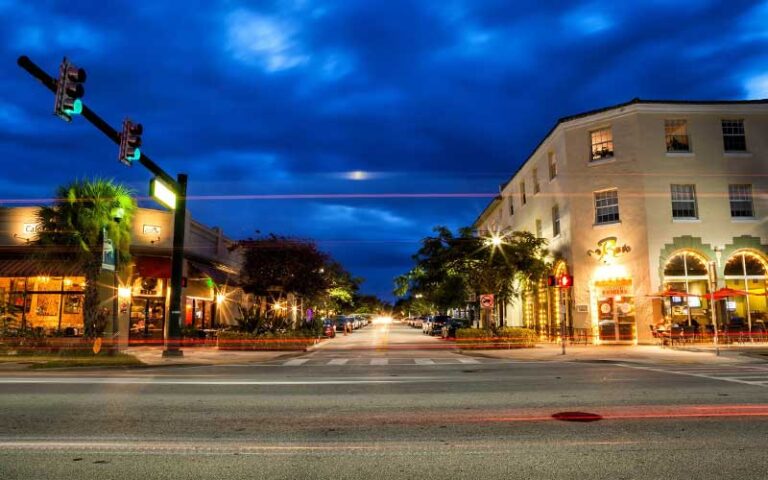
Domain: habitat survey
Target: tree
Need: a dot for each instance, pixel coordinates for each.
(73, 227)
(450, 267)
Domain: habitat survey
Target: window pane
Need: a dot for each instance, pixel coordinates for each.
(740, 197)
(683, 201)
(734, 139)
(606, 206)
(555, 221)
(602, 144)
(676, 133)
(552, 165)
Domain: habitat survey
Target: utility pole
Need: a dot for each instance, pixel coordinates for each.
(68, 103)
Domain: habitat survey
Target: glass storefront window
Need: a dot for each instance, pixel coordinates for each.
(747, 271)
(687, 272)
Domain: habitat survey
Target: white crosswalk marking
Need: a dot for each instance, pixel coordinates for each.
(296, 362)
(338, 361)
(468, 360)
(379, 361)
(424, 361)
(746, 374)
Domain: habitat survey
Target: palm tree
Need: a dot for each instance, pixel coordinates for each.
(73, 229)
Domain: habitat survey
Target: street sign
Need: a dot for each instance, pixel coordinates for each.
(486, 300)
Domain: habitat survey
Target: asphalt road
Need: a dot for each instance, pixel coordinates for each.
(386, 402)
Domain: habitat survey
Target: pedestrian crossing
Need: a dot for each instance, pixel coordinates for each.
(384, 361)
(756, 375)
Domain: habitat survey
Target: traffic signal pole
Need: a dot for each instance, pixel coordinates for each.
(173, 325)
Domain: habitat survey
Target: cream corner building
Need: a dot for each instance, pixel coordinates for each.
(642, 198)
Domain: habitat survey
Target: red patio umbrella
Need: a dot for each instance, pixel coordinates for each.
(726, 292)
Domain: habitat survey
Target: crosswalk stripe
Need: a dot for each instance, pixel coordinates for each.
(468, 360)
(424, 361)
(745, 375)
(338, 361)
(379, 361)
(296, 362)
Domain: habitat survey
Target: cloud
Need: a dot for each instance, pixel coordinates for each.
(355, 217)
(267, 41)
(756, 87)
(588, 19)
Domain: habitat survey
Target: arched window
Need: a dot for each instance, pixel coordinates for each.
(747, 270)
(687, 271)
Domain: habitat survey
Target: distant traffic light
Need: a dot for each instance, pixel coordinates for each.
(69, 91)
(551, 281)
(565, 281)
(130, 141)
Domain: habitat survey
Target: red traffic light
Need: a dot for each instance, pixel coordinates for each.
(565, 281)
(551, 281)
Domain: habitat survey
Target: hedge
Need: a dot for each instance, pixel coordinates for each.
(505, 337)
(297, 340)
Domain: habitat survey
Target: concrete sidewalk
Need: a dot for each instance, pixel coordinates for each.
(648, 354)
(206, 356)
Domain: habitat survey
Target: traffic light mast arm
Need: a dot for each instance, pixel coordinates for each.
(50, 83)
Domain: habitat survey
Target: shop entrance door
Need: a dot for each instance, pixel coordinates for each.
(147, 319)
(615, 311)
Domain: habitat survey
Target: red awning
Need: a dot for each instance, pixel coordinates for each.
(153, 267)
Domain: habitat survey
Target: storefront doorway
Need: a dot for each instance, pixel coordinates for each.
(147, 318)
(615, 307)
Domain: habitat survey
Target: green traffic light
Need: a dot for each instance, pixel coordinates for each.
(136, 155)
(77, 108)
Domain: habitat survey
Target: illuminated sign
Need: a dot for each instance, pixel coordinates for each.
(151, 229)
(608, 250)
(162, 193)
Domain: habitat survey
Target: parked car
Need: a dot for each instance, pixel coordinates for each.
(416, 322)
(436, 324)
(329, 329)
(450, 327)
(342, 324)
(426, 324)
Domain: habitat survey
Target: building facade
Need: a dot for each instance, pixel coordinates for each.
(640, 199)
(47, 295)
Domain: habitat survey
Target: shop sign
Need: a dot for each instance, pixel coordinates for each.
(108, 255)
(612, 291)
(151, 229)
(608, 250)
(31, 228)
(147, 287)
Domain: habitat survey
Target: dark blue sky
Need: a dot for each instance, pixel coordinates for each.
(294, 96)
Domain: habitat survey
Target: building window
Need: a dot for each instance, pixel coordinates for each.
(734, 139)
(539, 232)
(552, 161)
(555, 220)
(684, 201)
(511, 205)
(676, 134)
(522, 193)
(536, 186)
(606, 207)
(740, 197)
(602, 144)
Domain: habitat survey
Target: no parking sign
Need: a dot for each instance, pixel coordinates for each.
(486, 300)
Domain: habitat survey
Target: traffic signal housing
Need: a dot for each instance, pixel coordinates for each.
(565, 281)
(130, 141)
(69, 91)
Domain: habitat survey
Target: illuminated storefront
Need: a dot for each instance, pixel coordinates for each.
(51, 305)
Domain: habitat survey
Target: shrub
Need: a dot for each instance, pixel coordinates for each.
(478, 338)
(293, 340)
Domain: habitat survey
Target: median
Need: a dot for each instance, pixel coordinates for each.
(288, 341)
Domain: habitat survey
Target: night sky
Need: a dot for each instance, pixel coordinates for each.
(305, 97)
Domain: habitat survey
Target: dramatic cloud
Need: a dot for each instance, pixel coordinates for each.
(335, 97)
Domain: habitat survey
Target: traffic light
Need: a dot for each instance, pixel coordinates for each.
(130, 141)
(565, 281)
(69, 91)
(551, 281)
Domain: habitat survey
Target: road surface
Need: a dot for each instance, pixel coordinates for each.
(387, 402)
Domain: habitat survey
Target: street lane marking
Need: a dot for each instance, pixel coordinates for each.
(468, 360)
(730, 374)
(296, 362)
(379, 361)
(338, 361)
(424, 361)
(156, 381)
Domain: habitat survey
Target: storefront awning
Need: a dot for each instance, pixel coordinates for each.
(28, 267)
(217, 273)
(153, 267)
